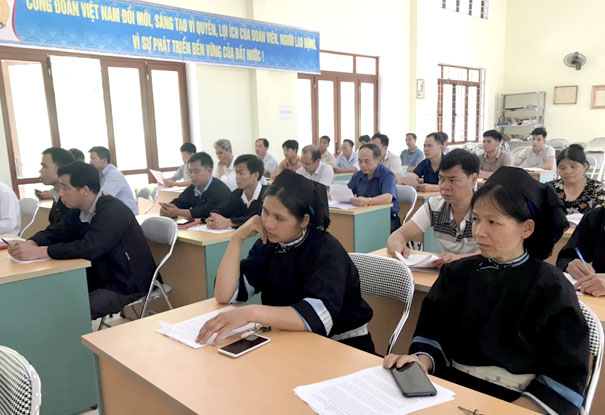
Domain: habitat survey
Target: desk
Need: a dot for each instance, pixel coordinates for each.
(343, 177)
(41, 221)
(44, 310)
(552, 259)
(361, 229)
(165, 195)
(142, 371)
(543, 176)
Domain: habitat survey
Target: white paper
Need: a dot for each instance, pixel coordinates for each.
(186, 331)
(575, 218)
(370, 391)
(340, 205)
(205, 228)
(536, 169)
(573, 281)
(30, 261)
(341, 193)
(158, 176)
(176, 189)
(418, 260)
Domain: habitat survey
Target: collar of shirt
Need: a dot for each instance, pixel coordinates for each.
(198, 192)
(254, 196)
(54, 194)
(107, 169)
(286, 246)
(87, 216)
(497, 154)
(447, 215)
(377, 173)
(349, 159)
(538, 154)
(492, 263)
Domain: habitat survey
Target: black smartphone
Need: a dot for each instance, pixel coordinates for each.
(412, 381)
(243, 346)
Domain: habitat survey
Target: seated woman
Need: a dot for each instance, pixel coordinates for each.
(505, 322)
(306, 279)
(578, 192)
(589, 239)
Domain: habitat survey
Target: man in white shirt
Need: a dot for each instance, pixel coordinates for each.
(270, 164)
(10, 213)
(225, 170)
(539, 155)
(313, 168)
(113, 181)
(388, 159)
(347, 161)
(326, 156)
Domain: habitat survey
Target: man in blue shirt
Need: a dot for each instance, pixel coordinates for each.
(113, 181)
(346, 162)
(413, 155)
(428, 169)
(374, 183)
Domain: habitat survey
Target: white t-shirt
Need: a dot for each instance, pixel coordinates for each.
(531, 159)
(324, 174)
(10, 213)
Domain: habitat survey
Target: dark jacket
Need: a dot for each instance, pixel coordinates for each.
(214, 197)
(56, 219)
(589, 238)
(237, 211)
(113, 241)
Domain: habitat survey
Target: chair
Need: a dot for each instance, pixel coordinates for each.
(20, 388)
(29, 208)
(558, 143)
(595, 170)
(595, 346)
(389, 278)
(160, 230)
(149, 192)
(407, 194)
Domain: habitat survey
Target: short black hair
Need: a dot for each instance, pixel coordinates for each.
(574, 152)
(78, 155)
(325, 137)
(438, 137)
(364, 139)
(348, 141)
(81, 174)
(253, 164)
(102, 152)
(188, 148)
(493, 134)
(60, 156)
(293, 144)
(539, 131)
(204, 159)
(384, 140)
(264, 140)
(314, 150)
(468, 162)
(412, 134)
(373, 148)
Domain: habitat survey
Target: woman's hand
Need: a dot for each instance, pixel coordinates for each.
(222, 324)
(396, 360)
(396, 243)
(253, 226)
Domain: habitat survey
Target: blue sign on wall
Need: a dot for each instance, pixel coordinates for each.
(119, 27)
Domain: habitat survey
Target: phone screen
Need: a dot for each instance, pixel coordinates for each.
(239, 347)
(413, 381)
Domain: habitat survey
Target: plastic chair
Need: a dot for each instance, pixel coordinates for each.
(20, 388)
(149, 192)
(558, 143)
(595, 345)
(29, 208)
(160, 230)
(407, 194)
(596, 168)
(389, 278)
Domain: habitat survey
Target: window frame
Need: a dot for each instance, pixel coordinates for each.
(484, 7)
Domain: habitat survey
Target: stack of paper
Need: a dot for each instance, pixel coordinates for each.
(340, 205)
(186, 331)
(341, 193)
(29, 261)
(371, 391)
(574, 219)
(158, 176)
(573, 281)
(418, 260)
(205, 228)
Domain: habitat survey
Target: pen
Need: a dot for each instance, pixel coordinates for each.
(4, 240)
(581, 257)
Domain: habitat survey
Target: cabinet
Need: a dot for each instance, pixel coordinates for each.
(518, 114)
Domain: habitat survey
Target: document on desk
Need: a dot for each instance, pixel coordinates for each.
(370, 391)
(158, 176)
(205, 228)
(573, 281)
(340, 205)
(418, 260)
(341, 193)
(574, 219)
(30, 261)
(187, 331)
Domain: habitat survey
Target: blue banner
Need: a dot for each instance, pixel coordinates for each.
(118, 27)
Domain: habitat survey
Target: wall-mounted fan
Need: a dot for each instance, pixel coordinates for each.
(575, 60)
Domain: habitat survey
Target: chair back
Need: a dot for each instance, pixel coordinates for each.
(596, 144)
(29, 208)
(558, 143)
(595, 346)
(407, 194)
(389, 278)
(149, 192)
(20, 388)
(596, 161)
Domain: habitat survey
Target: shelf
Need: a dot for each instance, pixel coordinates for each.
(522, 109)
(523, 125)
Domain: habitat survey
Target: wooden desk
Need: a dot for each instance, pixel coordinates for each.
(361, 229)
(552, 259)
(44, 310)
(142, 371)
(41, 221)
(165, 195)
(343, 177)
(543, 176)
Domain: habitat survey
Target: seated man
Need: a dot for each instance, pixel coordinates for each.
(428, 169)
(363, 139)
(247, 200)
(387, 159)
(225, 170)
(374, 184)
(315, 169)
(291, 160)
(413, 155)
(326, 157)
(203, 195)
(105, 232)
(449, 214)
(539, 155)
(589, 239)
(10, 213)
(181, 177)
(113, 181)
(347, 161)
(77, 154)
(261, 147)
(493, 157)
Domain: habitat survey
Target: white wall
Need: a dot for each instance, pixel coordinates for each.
(540, 34)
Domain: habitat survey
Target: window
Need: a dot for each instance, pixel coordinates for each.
(341, 103)
(51, 98)
(477, 8)
(460, 103)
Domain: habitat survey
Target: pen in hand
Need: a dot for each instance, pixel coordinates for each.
(582, 259)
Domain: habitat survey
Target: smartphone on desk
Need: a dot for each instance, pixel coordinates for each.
(412, 381)
(184, 221)
(243, 346)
